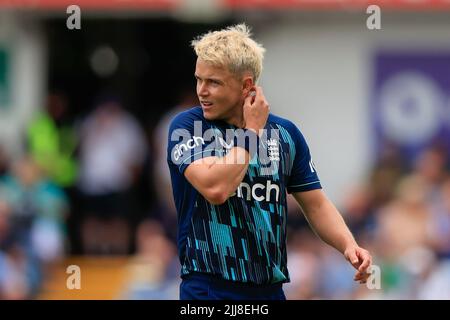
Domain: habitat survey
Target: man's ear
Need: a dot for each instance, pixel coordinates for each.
(247, 85)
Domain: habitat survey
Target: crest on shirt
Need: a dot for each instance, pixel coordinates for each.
(273, 149)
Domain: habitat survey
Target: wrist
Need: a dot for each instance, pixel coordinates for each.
(252, 129)
(349, 243)
(257, 131)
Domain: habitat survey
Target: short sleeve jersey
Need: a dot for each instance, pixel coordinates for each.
(243, 239)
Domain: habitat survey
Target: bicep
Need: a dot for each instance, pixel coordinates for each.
(310, 201)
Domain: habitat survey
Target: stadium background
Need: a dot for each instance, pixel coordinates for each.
(374, 106)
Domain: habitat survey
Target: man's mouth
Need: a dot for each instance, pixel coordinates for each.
(206, 103)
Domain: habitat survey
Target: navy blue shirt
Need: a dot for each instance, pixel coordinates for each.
(243, 239)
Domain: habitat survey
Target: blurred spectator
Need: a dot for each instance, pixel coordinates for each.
(154, 272)
(430, 166)
(38, 209)
(402, 227)
(32, 223)
(112, 152)
(385, 175)
(52, 141)
(403, 222)
(303, 265)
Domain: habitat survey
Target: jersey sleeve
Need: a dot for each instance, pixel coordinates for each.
(304, 175)
(189, 140)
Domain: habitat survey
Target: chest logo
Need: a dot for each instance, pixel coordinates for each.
(273, 150)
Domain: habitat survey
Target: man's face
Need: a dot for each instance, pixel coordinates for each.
(220, 92)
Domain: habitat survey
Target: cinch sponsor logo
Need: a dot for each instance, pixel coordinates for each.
(190, 144)
(258, 191)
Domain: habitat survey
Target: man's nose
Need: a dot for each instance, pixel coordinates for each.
(202, 90)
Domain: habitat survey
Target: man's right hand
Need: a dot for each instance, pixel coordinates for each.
(256, 110)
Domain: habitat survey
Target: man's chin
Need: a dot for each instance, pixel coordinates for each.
(208, 115)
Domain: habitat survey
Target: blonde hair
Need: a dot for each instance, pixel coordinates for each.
(232, 47)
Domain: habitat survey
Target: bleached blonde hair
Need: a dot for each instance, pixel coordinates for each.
(232, 48)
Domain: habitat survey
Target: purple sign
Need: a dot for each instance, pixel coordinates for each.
(411, 101)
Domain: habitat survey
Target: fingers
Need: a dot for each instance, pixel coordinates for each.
(361, 277)
(259, 96)
(248, 100)
(361, 261)
(366, 260)
(258, 93)
(353, 258)
(251, 97)
(256, 109)
(359, 258)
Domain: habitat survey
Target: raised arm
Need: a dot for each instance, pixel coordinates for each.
(217, 178)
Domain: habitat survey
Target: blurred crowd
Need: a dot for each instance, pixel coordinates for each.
(401, 214)
(80, 189)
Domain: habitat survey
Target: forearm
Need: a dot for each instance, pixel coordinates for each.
(217, 178)
(329, 225)
(227, 172)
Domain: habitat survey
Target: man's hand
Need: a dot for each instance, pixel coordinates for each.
(360, 260)
(256, 110)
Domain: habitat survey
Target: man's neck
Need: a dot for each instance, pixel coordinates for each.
(236, 119)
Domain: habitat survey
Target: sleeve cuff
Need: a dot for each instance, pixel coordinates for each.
(304, 187)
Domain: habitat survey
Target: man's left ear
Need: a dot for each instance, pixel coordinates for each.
(248, 85)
